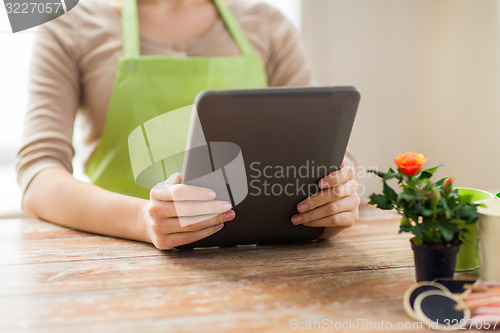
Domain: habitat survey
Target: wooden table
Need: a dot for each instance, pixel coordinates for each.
(55, 279)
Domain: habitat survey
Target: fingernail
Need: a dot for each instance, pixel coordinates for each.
(323, 184)
(296, 219)
(172, 178)
(211, 195)
(226, 206)
(302, 208)
(219, 226)
(229, 215)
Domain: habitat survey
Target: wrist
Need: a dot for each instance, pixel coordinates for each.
(141, 221)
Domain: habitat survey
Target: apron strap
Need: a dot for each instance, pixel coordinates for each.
(130, 28)
(234, 27)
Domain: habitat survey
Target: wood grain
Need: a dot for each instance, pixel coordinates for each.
(54, 279)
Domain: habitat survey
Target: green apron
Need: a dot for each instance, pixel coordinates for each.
(148, 86)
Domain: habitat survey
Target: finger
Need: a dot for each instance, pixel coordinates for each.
(338, 177)
(162, 210)
(181, 192)
(331, 208)
(170, 241)
(174, 178)
(344, 219)
(328, 195)
(193, 208)
(194, 223)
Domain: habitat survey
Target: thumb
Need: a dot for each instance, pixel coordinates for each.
(174, 178)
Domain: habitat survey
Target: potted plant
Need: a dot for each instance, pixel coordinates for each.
(434, 212)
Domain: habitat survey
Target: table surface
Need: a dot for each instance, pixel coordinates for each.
(55, 279)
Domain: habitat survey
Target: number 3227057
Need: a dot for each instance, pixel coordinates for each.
(33, 7)
(462, 324)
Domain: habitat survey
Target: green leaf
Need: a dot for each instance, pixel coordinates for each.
(406, 196)
(445, 207)
(440, 182)
(426, 174)
(418, 232)
(436, 238)
(380, 201)
(385, 175)
(418, 240)
(405, 225)
(405, 228)
(390, 175)
(405, 221)
(447, 232)
(389, 193)
(431, 170)
(457, 222)
(427, 212)
(378, 173)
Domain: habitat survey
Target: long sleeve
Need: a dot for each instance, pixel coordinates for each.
(53, 102)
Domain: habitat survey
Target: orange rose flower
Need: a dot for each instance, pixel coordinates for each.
(410, 163)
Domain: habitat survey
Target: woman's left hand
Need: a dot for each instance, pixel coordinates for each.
(335, 206)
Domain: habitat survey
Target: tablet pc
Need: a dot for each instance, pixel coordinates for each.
(264, 150)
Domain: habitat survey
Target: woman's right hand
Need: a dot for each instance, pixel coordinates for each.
(172, 203)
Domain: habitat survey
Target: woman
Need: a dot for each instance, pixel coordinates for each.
(82, 63)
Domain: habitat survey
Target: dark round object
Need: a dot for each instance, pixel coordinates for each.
(418, 291)
(439, 310)
(414, 291)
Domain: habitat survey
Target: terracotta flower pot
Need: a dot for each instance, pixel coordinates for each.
(435, 261)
